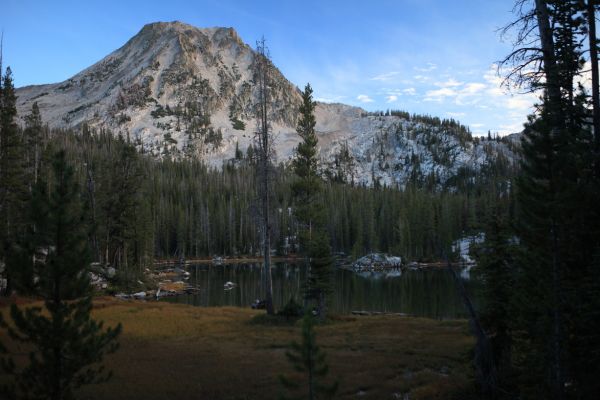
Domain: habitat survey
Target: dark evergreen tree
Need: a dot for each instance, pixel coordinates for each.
(557, 221)
(33, 143)
(495, 263)
(68, 344)
(13, 188)
(121, 204)
(309, 361)
(314, 239)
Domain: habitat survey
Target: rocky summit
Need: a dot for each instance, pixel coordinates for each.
(177, 90)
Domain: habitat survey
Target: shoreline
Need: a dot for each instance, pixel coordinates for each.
(291, 259)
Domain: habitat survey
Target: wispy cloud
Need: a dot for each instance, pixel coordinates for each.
(330, 99)
(511, 128)
(440, 94)
(449, 83)
(421, 78)
(428, 67)
(386, 76)
(391, 98)
(363, 98)
(473, 88)
(455, 114)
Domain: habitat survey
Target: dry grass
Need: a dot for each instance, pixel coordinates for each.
(172, 351)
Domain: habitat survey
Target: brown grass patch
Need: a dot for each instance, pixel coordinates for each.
(184, 352)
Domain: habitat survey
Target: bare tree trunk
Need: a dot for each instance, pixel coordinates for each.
(92, 193)
(591, 17)
(547, 43)
(484, 358)
(264, 149)
(554, 101)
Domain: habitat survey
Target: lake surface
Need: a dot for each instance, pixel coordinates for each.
(425, 293)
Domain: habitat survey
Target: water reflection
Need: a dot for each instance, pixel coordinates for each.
(428, 293)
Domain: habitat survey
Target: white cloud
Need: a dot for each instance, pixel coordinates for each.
(473, 88)
(518, 103)
(330, 98)
(410, 91)
(506, 129)
(391, 98)
(440, 94)
(455, 114)
(494, 81)
(363, 98)
(385, 77)
(429, 67)
(449, 83)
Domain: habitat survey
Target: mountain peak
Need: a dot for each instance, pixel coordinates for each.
(181, 91)
(164, 28)
(169, 86)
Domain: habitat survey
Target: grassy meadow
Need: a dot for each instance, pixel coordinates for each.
(175, 351)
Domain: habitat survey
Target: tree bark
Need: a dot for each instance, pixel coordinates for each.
(553, 103)
(484, 358)
(548, 53)
(591, 19)
(264, 141)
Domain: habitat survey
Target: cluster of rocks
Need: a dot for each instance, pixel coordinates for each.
(377, 262)
(100, 275)
(167, 285)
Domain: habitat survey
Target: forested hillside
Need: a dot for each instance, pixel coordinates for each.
(139, 207)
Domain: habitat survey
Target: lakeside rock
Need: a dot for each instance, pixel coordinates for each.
(376, 262)
(463, 247)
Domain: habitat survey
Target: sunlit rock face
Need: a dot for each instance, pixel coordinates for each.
(185, 92)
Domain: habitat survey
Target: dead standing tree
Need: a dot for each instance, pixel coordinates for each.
(264, 150)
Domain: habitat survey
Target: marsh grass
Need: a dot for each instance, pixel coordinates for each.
(175, 351)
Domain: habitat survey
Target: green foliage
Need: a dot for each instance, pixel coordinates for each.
(291, 310)
(13, 187)
(309, 362)
(67, 344)
(238, 124)
(238, 153)
(314, 239)
(185, 206)
(451, 126)
(554, 321)
(33, 140)
(214, 137)
(497, 272)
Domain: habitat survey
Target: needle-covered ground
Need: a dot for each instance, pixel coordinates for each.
(174, 351)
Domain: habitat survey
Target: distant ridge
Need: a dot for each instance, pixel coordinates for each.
(188, 92)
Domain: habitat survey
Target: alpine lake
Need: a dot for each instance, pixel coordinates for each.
(422, 292)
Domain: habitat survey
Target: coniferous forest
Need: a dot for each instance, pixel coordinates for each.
(138, 208)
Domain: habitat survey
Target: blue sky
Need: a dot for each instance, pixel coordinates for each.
(423, 56)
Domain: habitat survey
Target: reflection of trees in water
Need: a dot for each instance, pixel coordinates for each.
(429, 293)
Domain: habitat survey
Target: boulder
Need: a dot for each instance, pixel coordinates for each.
(376, 261)
(110, 272)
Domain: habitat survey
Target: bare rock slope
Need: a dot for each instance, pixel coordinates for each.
(188, 92)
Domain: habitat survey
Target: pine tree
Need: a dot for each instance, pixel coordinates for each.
(557, 197)
(314, 240)
(13, 189)
(33, 143)
(309, 360)
(68, 344)
(496, 265)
